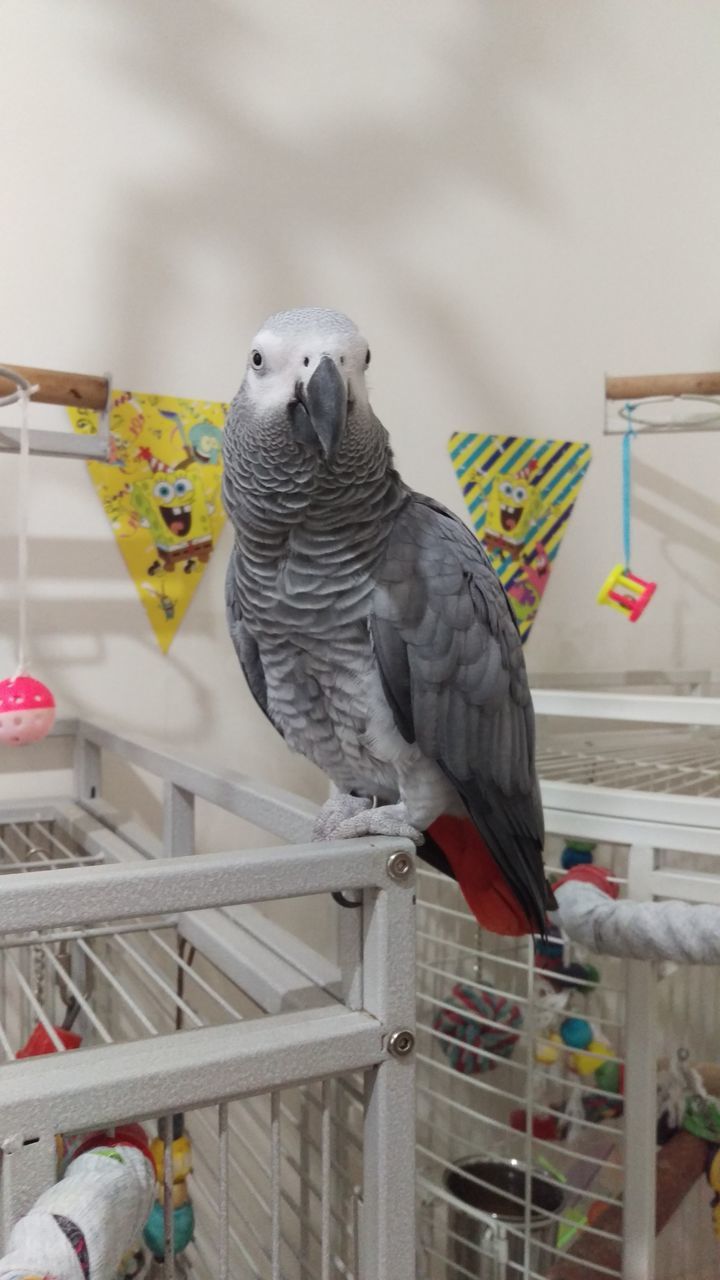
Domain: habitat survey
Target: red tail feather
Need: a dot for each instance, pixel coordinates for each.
(488, 896)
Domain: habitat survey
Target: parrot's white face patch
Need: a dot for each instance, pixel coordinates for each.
(279, 361)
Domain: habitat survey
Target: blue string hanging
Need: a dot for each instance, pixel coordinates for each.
(627, 483)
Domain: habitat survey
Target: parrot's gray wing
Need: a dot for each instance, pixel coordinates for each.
(245, 645)
(453, 672)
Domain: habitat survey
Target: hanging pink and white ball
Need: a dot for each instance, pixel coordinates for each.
(27, 711)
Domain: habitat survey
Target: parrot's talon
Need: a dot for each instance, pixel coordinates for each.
(334, 812)
(385, 820)
(345, 817)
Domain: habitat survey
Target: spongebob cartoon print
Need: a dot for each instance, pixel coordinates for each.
(172, 504)
(160, 489)
(520, 493)
(512, 506)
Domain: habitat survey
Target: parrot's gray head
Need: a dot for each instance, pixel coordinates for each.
(304, 383)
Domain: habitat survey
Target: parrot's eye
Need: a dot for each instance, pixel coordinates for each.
(367, 357)
(257, 359)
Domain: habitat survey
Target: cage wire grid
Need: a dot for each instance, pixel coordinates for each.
(466, 1117)
(277, 1178)
(463, 1117)
(269, 1170)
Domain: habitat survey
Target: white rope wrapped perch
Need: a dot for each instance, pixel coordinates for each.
(82, 1226)
(589, 913)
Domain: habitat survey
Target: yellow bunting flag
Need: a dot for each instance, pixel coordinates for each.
(160, 489)
(520, 494)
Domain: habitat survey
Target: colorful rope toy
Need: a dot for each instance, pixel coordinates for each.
(623, 590)
(467, 1018)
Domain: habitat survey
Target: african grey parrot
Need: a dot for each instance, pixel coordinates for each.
(371, 627)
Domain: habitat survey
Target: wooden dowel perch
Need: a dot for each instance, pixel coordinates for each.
(662, 384)
(77, 390)
(680, 1162)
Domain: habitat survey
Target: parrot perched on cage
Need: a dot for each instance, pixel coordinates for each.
(372, 629)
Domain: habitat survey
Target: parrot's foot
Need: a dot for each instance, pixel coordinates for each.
(338, 809)
(347, 817)
(385, 820)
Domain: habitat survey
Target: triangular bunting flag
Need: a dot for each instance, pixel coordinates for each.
(161, 492)
(520, 494)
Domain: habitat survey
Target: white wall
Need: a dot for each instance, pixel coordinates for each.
(511, 197)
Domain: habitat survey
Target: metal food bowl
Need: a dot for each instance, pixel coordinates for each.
(487, 1237)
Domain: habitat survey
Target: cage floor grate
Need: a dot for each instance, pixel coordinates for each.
(671, 761)
(40, 845)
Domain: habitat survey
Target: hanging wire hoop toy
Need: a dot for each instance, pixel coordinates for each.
(707, 421)
(23, 386)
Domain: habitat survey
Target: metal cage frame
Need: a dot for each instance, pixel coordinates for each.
(366, 1026)
(641, 812)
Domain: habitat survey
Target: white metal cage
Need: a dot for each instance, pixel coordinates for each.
(189, 1002)
(637, 775)
(640, 776)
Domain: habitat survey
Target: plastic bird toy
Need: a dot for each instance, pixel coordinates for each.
(27, 710)
(627, 593)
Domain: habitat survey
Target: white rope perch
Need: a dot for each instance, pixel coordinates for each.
(590, 915)
(88, 1221)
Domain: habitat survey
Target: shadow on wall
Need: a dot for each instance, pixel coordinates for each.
(310, 136)
(86, 625)
(286, 143)
(677, 512)
(80, 628)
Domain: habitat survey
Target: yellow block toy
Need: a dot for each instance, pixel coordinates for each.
(587, 1063)
(548, 1052)
(181, 1158)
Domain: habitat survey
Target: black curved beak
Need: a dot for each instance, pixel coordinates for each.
(320, 413)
